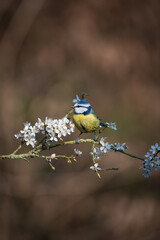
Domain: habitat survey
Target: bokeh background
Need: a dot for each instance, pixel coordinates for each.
(49, 52)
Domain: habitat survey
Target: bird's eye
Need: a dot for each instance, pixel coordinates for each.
(78, 106)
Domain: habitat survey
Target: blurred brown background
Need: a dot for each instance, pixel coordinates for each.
(49, 52)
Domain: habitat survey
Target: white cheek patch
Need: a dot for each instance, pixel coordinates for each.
(80, 110)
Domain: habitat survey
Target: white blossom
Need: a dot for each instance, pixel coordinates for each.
(53, 155)
(95, 167)
(97, 153)
(119, 147)
(154, 148)
(77, 152)
(19, 135)
(112, 125)
(26, 128)
(39, 126)
(71, 127)
(105, 146)
(30, 139)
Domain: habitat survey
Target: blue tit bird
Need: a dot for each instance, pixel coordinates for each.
(85, 119)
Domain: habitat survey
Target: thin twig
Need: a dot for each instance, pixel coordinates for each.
(18, 148)
(130, 155)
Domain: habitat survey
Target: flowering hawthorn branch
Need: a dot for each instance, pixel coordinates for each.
(54, 130)
(36, 152)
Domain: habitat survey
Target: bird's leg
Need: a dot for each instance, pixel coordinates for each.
(77, 139)
(95, 137)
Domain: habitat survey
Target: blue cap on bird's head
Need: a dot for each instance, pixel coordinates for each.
(83, 102)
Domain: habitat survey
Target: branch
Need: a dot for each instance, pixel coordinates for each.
(130, 155)
(35, 152)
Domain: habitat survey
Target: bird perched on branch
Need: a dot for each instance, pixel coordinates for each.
(84, 117)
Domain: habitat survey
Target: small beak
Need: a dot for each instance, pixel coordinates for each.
(72, 107)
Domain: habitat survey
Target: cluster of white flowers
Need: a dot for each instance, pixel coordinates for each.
(105, 148)
(52, 128)
(97, 153)
(28, 134)
(58, 128)
(152, 160)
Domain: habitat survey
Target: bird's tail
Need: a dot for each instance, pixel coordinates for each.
(103, 124)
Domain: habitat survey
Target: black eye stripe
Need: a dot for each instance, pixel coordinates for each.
(81, 106)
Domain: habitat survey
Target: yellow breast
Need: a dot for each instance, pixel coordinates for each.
(86, 123)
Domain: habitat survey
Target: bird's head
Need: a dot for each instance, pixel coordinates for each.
(82, 107)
